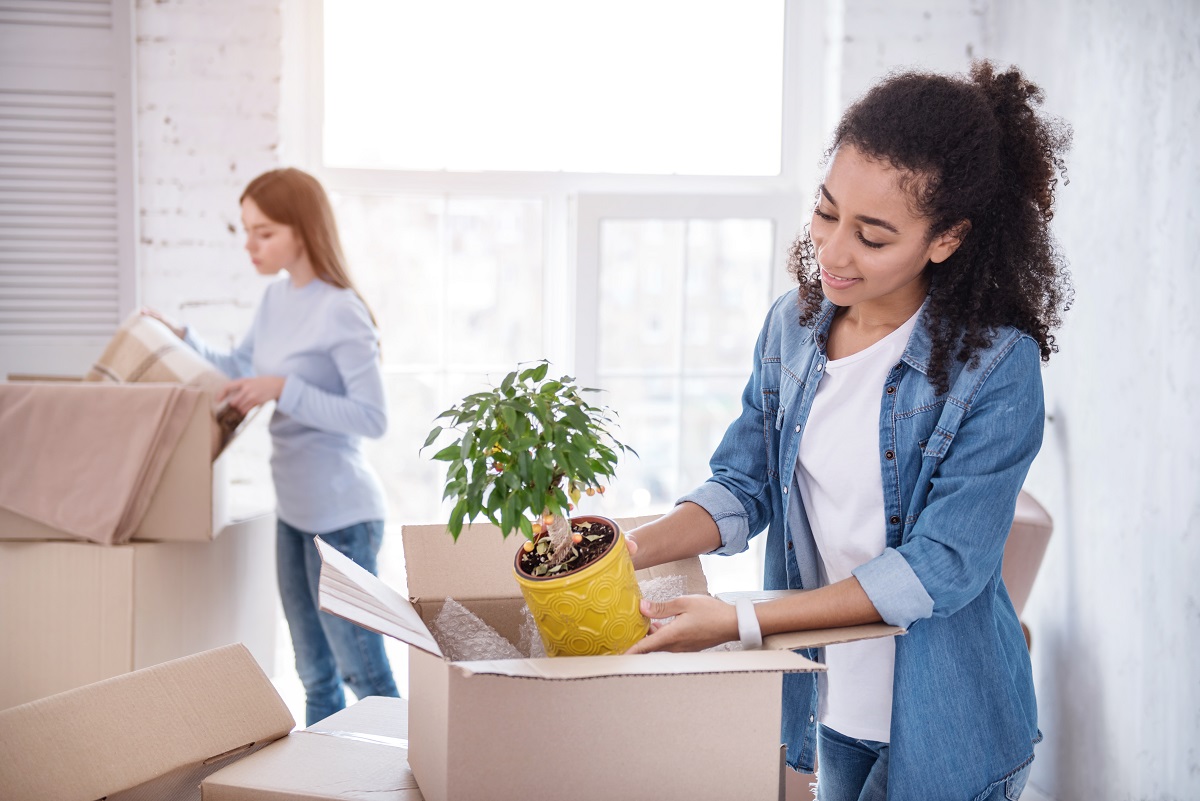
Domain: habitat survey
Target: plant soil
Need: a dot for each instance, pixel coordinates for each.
(597, 537)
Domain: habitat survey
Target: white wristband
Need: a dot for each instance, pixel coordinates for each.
(748, 629)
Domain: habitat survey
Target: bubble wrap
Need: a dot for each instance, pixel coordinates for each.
(531, 639)
(462, 635)
(663, 588)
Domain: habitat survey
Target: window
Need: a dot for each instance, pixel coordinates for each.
(620, 86)
(612, 186)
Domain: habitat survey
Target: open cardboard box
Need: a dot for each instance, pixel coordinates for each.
(687, 726)
(74, 613)
(191, 502)
(357, 754)
(152, 734)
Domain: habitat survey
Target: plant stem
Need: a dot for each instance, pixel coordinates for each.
(560, 538)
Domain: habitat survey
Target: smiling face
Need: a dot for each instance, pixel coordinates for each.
(273, 246)
(871, 247)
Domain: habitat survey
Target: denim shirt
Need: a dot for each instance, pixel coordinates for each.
(963, 709)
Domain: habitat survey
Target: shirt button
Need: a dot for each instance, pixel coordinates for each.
(797, 429)
(789, 545)
(891, 390)
(890, 454)
(894, 519)
(785, 490)
(811, 718)
(820, 366)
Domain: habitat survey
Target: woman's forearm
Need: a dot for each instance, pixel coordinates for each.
(842, 604)
(687, 530)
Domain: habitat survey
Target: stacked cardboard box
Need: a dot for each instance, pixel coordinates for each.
(358, 754)
(151, 734)
(74, 612)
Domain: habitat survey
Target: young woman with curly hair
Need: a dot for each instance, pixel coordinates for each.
(893, 410)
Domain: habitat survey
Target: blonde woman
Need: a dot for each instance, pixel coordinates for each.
(313, 348)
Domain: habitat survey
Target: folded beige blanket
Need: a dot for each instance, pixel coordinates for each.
(87, 462)
(143, 350)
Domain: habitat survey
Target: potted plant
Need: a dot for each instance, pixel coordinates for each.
(525, 452)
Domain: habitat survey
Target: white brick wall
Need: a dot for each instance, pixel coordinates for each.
(208, 96)
(208, 121)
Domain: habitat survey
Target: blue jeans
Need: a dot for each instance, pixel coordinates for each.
(330, 651)
(850, 769)
(856, 770)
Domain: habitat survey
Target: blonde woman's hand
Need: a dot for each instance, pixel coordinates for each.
(699, 622)
(176, 329)
(244, 394)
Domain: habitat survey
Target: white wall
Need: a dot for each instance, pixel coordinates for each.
(1116, 611)
(208, 95)
(208, 107)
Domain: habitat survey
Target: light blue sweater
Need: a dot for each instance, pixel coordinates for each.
(321, 339)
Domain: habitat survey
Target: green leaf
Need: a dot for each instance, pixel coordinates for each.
(539, 372)
(432, 436)
(450, 453)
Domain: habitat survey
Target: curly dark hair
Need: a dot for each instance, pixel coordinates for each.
(970, 149)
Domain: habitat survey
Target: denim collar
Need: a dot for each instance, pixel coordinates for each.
(917, 354)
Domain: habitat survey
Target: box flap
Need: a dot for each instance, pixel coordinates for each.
(480, 563)
(350, 592)
(152, 733)
(819, 638)
(566, 668)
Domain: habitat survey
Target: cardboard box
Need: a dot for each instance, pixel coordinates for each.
(152, 734)
(687, 726)
(73, 613)
(191, 502)
(358, 754)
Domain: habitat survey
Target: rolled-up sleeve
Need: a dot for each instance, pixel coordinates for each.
(894, 589)
(727, 512)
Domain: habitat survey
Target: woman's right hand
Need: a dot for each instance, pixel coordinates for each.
(176, 329)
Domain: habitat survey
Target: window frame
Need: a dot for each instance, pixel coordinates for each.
(576, 203)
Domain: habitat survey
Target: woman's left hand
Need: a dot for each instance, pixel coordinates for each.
(244, 394)
(700, 622)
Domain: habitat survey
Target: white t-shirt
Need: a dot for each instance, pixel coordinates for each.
(838, 472)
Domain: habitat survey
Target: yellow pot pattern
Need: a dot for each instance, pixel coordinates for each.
(592, 611)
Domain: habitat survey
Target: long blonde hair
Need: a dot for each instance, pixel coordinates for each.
(294, 198)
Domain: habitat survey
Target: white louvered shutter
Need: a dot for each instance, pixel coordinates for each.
(67, 221)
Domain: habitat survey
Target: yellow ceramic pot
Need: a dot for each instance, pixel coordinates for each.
(593, 610)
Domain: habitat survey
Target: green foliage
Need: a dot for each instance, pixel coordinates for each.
(529, 446)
